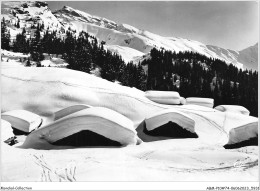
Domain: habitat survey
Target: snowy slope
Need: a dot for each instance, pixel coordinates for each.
(128, 36)
(141, 40)
(128, 54)
(249, 57)
(44, 92)
(116, 36)
(11, 59)
(230, 56)
(192, 159)
(29, 14)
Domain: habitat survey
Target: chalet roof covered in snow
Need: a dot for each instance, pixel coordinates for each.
(102, 121)
(6, 130)
(23, 120)
(163, 97)
(207, 102)
(158, 119)
(69, 110)
(233, 108)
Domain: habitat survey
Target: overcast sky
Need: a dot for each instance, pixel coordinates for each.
(227, 24)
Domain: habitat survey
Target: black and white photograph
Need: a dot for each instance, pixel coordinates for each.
(129, 91)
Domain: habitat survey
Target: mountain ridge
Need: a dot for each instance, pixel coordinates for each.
(121, 35)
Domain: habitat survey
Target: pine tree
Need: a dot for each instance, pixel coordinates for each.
(206, 92)
(126, 77)
(216, 96)
(42, 27)
(36, 47)
(235, 98)
(232, 86)
(113, 67)
(5, 36)
(20, 44)
(18, 24)
(38, 64)
(28, 63)
(141, 78)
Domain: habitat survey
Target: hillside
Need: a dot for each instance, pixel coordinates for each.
(249, 57)
(116, 36)
(157, 158)
(86, 99)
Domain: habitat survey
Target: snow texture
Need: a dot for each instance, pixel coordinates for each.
(183, 100)
(207, 102)
(164, 97)
(44, 93)
(103, 121)
(127, 54)
(23, 120)
(50, 92)
(69, 110)
(163, 117)
(233, 108)
(6, 130)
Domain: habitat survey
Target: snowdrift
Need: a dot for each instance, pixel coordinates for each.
(242, 130)
(22, 120)
(102, 121)
(183, 100)
(6, 130)
(164, 116)
(207, 102)
(69, 110)
(164, 97)
(167, 124)
(222, 128)
(233, 108)
(43, 92)
(47, 90)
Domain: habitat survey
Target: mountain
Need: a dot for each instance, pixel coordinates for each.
(131, 43)
(28, 14)
(249, 57)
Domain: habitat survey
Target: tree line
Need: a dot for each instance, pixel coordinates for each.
(189, 73)
(195, 75)
(82, 52)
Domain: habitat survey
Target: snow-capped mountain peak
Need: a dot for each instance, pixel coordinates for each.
(249, 57)
(140, 40)
(121, 37)
(29, 14)
(70, 16)
(74, 12)
(127, 28)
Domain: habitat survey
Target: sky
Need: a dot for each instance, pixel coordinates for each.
(228, 24)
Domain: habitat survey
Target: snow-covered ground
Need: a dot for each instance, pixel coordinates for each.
(127, 54)
(169, 160)
(54, 62)
(46, 90)
(11, 59)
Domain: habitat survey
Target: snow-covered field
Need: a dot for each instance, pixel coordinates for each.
(64, 103)
(47, 90)
(11, 59)
(127, 54)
